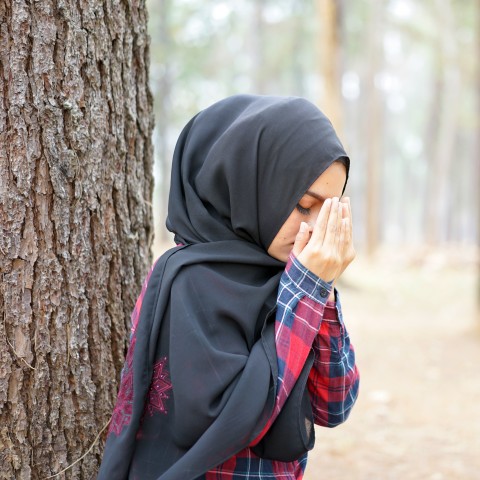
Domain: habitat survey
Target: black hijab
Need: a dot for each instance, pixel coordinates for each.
(239, 169)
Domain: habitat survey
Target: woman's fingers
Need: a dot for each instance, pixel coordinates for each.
(349, 250)
(344, 202)
(348, 237)
(347, 210)
(340, 216)
(343, 233)
(301, 239)
(320, 227)
(347, 213)
(333, 224)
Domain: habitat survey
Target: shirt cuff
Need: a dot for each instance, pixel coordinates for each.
(333, 310)
(307, 282)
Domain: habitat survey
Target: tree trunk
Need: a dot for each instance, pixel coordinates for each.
(431, 137)
(329, 43)
(439, 198)
(477, 162)
(375, 129)
(163, 117)
(75, 222)
(257, 45)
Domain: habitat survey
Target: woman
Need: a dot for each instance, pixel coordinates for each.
(238, 343)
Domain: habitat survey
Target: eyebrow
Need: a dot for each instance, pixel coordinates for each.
(315, 195)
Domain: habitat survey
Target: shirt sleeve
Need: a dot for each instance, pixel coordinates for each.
(301, 303)
(334, 378)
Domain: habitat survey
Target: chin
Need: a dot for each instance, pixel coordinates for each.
(283, 257)
(281, 252)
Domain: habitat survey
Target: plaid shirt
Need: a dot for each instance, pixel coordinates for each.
(304, 320)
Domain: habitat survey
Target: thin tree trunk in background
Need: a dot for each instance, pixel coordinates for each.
(439, 203)
(431, 137)
(375, 130)
(329, 48)
(163, 157)
(477, 154)
(258, 48)
(298, 32)
(75, 223)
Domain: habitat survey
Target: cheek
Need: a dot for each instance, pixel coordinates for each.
(291, 227)
(282, 243)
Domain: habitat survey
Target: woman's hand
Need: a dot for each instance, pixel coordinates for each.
(349, 252)
(329, 250)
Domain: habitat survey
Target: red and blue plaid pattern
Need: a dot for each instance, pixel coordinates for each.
(304, 320)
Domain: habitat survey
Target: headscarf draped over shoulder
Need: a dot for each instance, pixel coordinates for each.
(200, 376)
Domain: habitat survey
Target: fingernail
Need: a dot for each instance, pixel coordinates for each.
(303, 227)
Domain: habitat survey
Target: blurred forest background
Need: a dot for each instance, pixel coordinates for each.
(400, 80)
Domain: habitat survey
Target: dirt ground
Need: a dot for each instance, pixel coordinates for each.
(416, 333)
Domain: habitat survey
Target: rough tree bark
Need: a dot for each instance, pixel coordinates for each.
(75, 222)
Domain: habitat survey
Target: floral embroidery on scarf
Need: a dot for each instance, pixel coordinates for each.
(122, 412)
(157, 395)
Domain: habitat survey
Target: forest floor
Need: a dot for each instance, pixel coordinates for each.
(416, 332)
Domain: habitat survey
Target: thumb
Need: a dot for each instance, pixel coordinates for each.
(301, 239)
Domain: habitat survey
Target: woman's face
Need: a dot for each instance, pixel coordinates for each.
(328, 185)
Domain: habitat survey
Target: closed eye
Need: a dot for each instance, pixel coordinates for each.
(302, 210)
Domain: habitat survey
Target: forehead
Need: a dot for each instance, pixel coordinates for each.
(330, 183)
